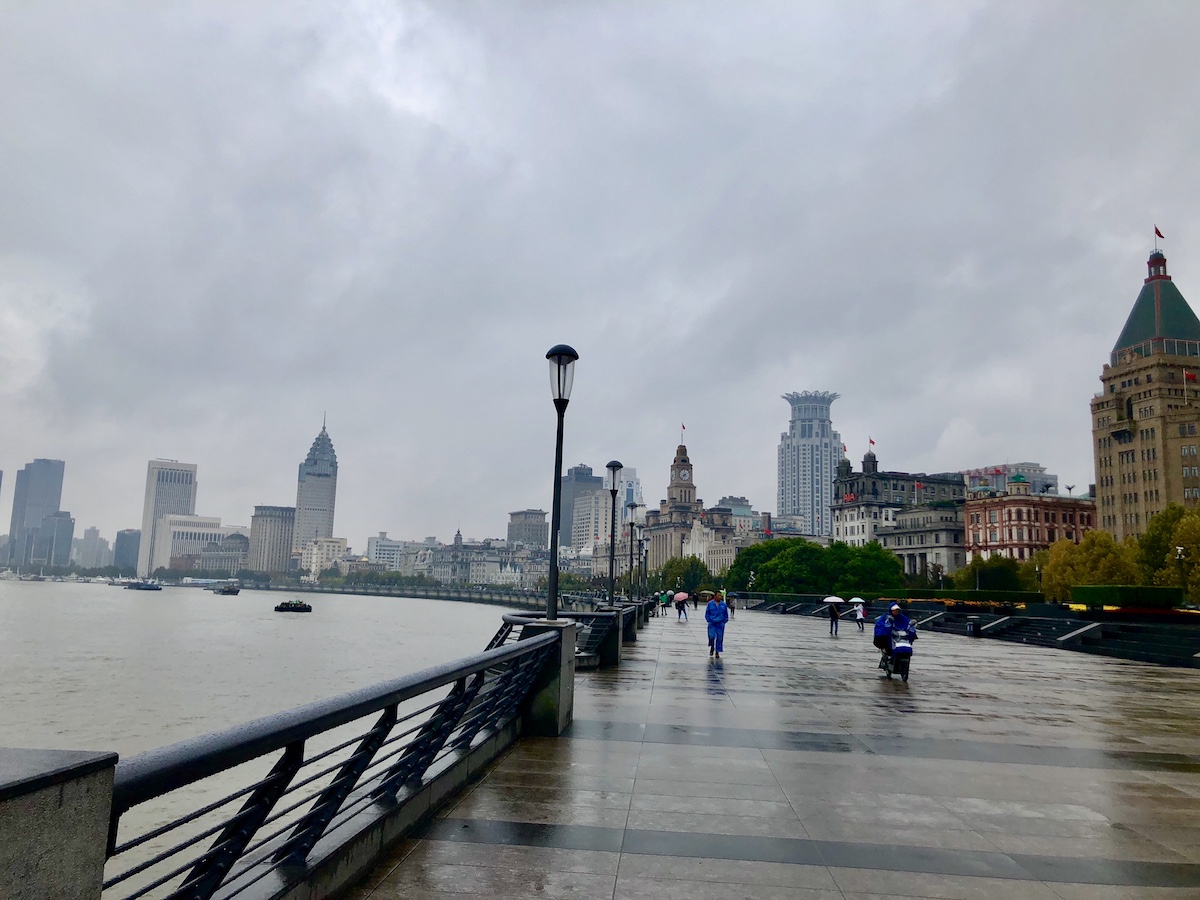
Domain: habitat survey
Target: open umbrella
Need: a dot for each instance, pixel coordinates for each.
(706, 593)
(858, 600)
(682, 595)
(833, 600)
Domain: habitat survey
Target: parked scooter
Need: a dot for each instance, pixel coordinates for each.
(902, 649)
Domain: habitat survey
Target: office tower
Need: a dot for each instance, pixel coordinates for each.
(170, 491)
(179, 540)
(629, 490)
(1144, 421)
(37, 494)
(52, 540)
(125, 550)
(271, 529)
(529, 527)
(809, 452)
(316, 491)
(89, 548)
(579, 480)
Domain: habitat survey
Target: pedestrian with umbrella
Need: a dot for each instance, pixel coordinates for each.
(681, 606)
(834, 615)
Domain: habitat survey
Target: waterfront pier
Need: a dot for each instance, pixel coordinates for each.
(791, 769)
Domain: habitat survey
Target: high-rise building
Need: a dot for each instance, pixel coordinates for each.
(629, 490)
(316, 492)
(809, 452)
(89, 548)
(37, 493)
(1144, 422)
(170, 491)
(591, 519)
(52, 540)
(528, 527)
(271, 531)
(179, 540)
(125, 549)
(578, 480)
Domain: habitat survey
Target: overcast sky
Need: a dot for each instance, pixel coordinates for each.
(220, 220)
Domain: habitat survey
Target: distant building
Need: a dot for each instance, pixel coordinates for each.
(37, 493)
(228, 555)
(578, 480)
(170, 491)
(996, 477)
(928, 539)
(671, 523)
(88, 554)
(125, 549)
(397, 555)
(271, 538)
(591, 519)
(629, 490)
(321, 553)
(865, 502)
(1016, 523)
(529, 527)
(1146, 417)
(809, 452)
(177, 537)
(316, 493)
(52, 540)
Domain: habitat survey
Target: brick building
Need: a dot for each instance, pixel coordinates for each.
(1017, 523)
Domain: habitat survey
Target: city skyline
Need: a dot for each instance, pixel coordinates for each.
(934, 211)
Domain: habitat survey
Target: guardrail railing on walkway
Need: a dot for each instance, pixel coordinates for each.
(286, 783)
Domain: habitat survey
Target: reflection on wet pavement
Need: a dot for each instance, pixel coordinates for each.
(792, 768)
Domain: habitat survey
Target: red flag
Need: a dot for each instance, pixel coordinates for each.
(682, 427)
(872, 440)
(1158, 233)
(1189, 376)
(920, 486)
(844, 450)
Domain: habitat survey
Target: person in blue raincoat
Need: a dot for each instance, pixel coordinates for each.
(716, 614)
(895, 619)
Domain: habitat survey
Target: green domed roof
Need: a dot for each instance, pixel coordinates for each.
(1019, 478)
(1160, 311)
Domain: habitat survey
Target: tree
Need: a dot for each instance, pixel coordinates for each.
(1184, 567)
(993, 573)
(1156, 547)
(752, 559)
(685, 573)
(1097, 559)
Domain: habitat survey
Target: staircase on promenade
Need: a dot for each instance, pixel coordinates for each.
(956, 622)
(1168, 645)
(1039, 632)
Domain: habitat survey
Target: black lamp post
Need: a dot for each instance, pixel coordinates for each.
(614, 479)
(632, 507)
(641, 539)
(562, 375)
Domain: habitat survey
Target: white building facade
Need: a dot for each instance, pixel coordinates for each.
(180, 536)
(809, 452)
(170, 491)
(320, 554)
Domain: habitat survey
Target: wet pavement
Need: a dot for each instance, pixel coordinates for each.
(792, 768)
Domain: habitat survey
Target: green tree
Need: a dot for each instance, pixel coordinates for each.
(752, 559)
(1156, 547)
(1097, 559)
(993, 573)
(685, 573)
(1184, 567)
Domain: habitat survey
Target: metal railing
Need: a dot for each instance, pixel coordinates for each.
(246, 807)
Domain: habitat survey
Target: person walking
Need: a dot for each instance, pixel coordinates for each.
(834, 617)
(859, 615)
(716, 614)
(681, 606)
(730, 603)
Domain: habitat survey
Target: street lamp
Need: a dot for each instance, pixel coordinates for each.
(641, 539)
(631, 506)
(1182, 572)
(562, 376)
(614, 480)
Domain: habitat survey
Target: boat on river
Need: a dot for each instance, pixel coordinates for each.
(226, 590)
(293, 606)
(146, 584)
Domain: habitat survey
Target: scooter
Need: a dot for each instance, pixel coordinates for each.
(902, 649)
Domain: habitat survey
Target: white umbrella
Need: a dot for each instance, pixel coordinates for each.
(858, 600)
(833, 600)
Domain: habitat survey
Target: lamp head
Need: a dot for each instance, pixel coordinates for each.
(562, 370)
(614, 473)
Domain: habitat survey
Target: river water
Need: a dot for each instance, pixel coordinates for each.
(93, 667)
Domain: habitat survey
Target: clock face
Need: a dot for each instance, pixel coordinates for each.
(684, 474)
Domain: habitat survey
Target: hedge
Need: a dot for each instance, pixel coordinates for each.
(1128, 595)
(968, 595)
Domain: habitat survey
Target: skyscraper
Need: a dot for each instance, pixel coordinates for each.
(52, 540)
(1144, 421)
(125, 549)
(37, 494)
(579, 480)
(170, 491)
(316, 491)
(809, 452)
(271, 534)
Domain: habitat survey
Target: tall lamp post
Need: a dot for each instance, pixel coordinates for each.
(614, 480)
(562, 376)
(632, 508)
(641, 539)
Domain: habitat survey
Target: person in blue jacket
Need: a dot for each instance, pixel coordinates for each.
(716, 614)
(895, 619)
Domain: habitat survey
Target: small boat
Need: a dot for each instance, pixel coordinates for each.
(143, 585)
(293, 606)
(226, 590)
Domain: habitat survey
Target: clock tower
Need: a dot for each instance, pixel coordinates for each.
(681, 489)
(671, 523)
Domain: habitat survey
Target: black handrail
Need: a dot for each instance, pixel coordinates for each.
(156, 772)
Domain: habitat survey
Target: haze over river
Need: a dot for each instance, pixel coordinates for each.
(93, 667)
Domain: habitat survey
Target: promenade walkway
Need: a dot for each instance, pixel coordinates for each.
(792, 769)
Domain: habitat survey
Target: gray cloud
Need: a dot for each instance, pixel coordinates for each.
(218, 221)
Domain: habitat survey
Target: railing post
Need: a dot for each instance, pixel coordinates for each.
(551, 700)
(54, 821)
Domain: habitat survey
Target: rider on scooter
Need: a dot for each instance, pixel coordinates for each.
(884, 625)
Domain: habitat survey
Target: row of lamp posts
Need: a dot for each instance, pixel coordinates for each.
(562, 376)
